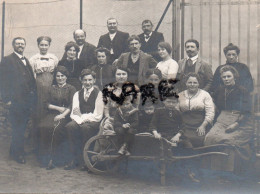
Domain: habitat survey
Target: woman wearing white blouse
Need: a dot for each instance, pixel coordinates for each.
(167, 66)
(43, 65)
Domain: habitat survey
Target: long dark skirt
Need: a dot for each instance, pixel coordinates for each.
(53, 142)
(240, 139)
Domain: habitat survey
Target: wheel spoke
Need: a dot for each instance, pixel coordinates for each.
(91, 152)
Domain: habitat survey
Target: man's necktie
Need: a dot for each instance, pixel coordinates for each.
(189, 62)
(23, 60)
(86, 96)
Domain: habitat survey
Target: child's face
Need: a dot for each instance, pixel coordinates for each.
(170, 102)
(149, 109)
(127, 103)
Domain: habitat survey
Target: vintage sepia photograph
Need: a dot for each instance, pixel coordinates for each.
(130, 96)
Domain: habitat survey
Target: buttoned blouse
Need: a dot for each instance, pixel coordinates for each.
(201, 101)
(168, 68)
(43, 63)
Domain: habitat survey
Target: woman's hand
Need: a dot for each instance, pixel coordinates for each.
(157, 135)
(176, 138)
(58, 117)
(201, 130)
(232, 127)
(62, 109)
(126, 125)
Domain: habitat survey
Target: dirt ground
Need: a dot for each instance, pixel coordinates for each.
(31, 178)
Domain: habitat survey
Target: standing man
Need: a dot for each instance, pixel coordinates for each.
(136, 61)
(18, 90)
(86, 50)
(115, 41)
(150, 39)
(193, 63)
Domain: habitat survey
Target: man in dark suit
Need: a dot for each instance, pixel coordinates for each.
(193, 63)
(114, 40)
(18, 91)
(87, 50)
(150, 39)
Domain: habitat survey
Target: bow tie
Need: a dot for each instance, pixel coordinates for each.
(147, 36)
(22, 58)
(43, 58)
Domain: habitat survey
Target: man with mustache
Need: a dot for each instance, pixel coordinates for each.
(115, 41)
(18, 91)
(193, 63)
(150, 39)
(86, 50)
(136, 61)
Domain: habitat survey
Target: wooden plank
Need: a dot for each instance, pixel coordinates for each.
(182, 28)
(220, 14)
(210, 33)
(191, 20)
(258, 49)
(176, 29)
(239, 23)
(248, 35)
(201, 28)
(229, 21)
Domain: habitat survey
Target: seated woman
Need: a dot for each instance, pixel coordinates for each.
(73, 64)
(233, 125)
(166, 121)
(86, 114)
(197, 108)
(126, 119)
(103, 70)
(167, 66)
(58, 105)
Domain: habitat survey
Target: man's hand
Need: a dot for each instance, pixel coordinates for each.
(232, 127)
(201, 131)
(157, 135)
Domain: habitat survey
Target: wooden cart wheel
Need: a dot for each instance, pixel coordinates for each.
(100, 154)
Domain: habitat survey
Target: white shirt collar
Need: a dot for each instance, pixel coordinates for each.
(194, 59)
(148, 34)
(89, 90)
(20, 56)
(112, 36)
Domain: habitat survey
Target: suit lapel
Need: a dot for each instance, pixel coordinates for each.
(84, 48)
(141, 65)
(198, 65)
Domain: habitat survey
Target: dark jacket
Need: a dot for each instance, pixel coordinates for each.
(87, 55)
(17, 82)
(119, 43)
(146, 62)
(203, 69)
(245, 77)
(151, 46)
(104, 75)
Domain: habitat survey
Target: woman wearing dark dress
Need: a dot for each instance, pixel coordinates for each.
(245, 78)
(58, 106)
(73, 64)
(233, 125)
(103, 70)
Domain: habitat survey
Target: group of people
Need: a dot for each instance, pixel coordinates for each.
(124, 80)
